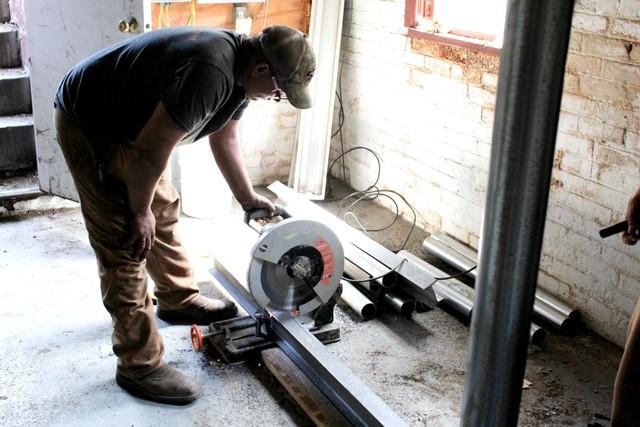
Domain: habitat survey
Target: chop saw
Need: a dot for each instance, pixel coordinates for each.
(285, 272)
(294, 267)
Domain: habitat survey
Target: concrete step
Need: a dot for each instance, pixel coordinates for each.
(19, 187)
(9, 46)
(5, 12)
(17, 143)
(15, 92)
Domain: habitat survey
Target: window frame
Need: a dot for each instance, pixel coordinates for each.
(477, 42)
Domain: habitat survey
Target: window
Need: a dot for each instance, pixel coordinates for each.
(478, 25)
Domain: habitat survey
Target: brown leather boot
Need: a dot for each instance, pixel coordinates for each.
(164, 385)
(201, 311)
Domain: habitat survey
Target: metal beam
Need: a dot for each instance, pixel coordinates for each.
(529, 91)
(350, 395)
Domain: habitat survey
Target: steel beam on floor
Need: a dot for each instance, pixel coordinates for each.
(346, 391)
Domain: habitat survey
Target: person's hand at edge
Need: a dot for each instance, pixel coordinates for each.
(631, 236)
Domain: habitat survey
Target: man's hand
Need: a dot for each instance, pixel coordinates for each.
(257, 201)
(143, 234)
(632, 235)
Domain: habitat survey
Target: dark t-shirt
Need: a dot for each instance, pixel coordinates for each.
(193, 71)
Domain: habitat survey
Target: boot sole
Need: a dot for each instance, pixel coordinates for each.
(188, 318)
(131, 387)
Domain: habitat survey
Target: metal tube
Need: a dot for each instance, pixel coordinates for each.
(549, 316)
(548, 308)
(557, 304)
(450, 256)
(453, 299)
(528, 103)
(358, 302)
(400, 305)
(449, 294)
(537, 334)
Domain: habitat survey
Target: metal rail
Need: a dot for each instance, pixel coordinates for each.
(350, 395)
(528, 103)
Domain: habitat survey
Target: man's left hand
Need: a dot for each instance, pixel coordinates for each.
(258, 202)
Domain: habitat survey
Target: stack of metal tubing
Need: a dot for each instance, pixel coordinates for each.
(548, 310)
(370, 284)
(375, 277)
(454, 295)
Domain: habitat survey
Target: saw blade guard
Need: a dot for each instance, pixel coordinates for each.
(296, 266)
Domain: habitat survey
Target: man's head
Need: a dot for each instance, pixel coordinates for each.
(286, 64)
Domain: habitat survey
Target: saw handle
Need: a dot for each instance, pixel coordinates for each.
(263, 213)
(614, 229)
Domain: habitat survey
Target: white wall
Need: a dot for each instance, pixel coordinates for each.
(268, 133)
(427, 109)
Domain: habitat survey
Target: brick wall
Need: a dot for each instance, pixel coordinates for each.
(428, 109)
(268, 132)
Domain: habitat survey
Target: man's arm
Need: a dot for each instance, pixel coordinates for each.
(225, 146)
(149, 158)
(631, 236)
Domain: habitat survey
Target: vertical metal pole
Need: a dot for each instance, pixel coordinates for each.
(528, 103)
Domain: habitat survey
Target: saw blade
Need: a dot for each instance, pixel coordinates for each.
(285, 292)
(296, 266)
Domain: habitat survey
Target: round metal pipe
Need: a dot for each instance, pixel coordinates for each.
(532, 63)
(358, 302)
(462, 304)
(400, 305)
(543, 296)
(453, 299)
(450, 256)
(550, 316)
(548, 308)
(537, 334)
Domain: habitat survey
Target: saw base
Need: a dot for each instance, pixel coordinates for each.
(236, 340)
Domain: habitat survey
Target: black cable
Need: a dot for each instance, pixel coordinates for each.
(375, 278)
(372, 192)
(454, 276)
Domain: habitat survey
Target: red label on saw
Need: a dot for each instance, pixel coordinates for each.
(327, 258)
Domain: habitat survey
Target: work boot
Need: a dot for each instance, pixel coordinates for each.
(201, 311)
(164, 385)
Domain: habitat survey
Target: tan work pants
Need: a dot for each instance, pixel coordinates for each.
(123, 280)
(626, 392)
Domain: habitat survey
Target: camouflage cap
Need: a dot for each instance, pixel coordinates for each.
(292, 60)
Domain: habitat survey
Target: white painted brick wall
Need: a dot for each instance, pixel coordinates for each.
(430, 118)
(267, 135)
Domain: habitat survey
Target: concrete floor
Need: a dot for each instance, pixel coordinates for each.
(57, 368)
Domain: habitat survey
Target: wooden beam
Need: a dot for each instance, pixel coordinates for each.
(321, 411)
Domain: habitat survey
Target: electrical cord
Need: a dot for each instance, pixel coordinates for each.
(453, 276)
(377, 277)
(370, 193)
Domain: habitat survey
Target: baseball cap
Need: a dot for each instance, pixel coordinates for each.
(292, 60)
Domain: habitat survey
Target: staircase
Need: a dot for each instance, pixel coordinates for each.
(17, 137)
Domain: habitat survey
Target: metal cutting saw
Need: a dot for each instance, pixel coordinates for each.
(294, 266)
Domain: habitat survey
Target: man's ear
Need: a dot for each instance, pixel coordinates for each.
(259, 69)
